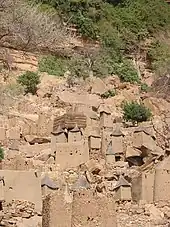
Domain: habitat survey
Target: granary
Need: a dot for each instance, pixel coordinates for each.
(143, 187)
(94, 140)
(60, 135)
(105, 117)
(117, 143)
(74, 135)
(91, 210)
(153, 185)
(110, 156)
(122, 190)
(93, 119)
(94, 144)
(142, 140)
(71, 122)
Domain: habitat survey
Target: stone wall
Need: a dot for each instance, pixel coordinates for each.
(86, 210)
(90, 210)
(143, 215)
(56, 212)
(71, 154)
(19, 212)
(21, 185)
(153, 185)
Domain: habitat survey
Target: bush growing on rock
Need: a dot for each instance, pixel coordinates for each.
(144, 87)
(159, 58)
(1, 153)
(52, 65)
(136, 112)
(29, 80)
(126, 72)
(108, 94)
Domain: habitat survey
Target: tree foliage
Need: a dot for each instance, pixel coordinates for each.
(136, 112)
(29, 80)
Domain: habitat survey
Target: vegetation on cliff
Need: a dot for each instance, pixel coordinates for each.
(125, 30)
(122, 27)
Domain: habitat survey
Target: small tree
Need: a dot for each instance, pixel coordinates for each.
(136, 112)
(29, 80)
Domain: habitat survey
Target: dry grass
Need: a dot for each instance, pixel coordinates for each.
(24, 27)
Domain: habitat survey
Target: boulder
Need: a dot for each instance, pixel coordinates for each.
(32, 139)
(11, 154)
(13, 133)
(130, 152)
(98, 86)
(89, 177)
(2, 133)
(44, 156)
(74, 98)
(158, 124)
(94, 166)
(155, 214)
(14, 145)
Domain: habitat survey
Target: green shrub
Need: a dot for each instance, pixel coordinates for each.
(103, 63)
(52, 65)
(1, 153)
(108, 94)
(79, 66)
(144, 87)
(135, 112)
(126, 71)
(29, 80)
(159, 58)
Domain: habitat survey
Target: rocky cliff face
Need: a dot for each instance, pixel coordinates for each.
(109, 159)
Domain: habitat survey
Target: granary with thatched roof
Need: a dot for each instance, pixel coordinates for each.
(105, 117)
(59, 135)
(47, 185)
(94, 144)
(110, 156)
(123, 190)
(117, 143)
(74, 134)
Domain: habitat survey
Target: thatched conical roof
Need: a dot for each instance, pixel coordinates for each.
(122, 182)
(46, 181)
(117, 132)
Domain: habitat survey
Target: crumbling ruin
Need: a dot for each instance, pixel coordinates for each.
(87, 167)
